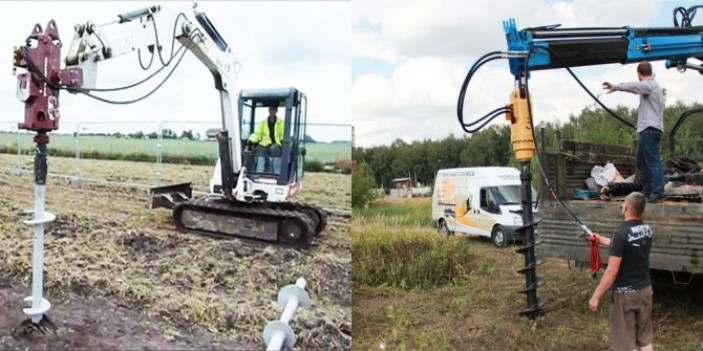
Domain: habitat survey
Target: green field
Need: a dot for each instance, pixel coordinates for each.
(325, 152)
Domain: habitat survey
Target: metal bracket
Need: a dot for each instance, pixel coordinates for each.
(676, 281)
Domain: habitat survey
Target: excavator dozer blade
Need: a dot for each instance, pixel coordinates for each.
(169, 196)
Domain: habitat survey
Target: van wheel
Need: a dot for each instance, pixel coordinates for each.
(498, 237)
(443, 229)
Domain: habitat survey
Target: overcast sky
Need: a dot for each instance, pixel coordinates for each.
(279, 44)
(410, 57)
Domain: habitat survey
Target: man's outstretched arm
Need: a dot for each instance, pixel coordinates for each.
(605, 282)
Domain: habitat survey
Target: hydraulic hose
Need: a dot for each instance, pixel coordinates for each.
(580, 83)
(491, 56)
(539, 160)
(34, 69)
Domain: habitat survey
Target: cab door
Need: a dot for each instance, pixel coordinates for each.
(298, 149)
(486, 212)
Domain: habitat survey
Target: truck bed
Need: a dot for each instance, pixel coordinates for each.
(677, 226)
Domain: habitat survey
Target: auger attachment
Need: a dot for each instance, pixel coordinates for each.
(523, 144)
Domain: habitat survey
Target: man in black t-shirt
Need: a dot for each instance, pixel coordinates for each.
(628, 274)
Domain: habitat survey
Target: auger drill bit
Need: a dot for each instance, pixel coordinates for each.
(523, 144)
(37, 305)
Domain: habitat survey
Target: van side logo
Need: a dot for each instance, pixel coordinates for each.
(457, 173)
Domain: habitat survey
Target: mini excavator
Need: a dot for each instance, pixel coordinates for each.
(250, 193)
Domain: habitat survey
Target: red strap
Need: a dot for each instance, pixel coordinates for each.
(596, 262)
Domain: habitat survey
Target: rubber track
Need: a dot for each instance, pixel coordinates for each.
(297, 206)
(249, 211)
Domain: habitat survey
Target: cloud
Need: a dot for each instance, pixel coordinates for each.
(453, 29)
(279, 44)
(419, 100)
(431, 46)
(368, 43)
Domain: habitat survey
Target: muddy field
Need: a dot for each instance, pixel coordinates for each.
(119, 276)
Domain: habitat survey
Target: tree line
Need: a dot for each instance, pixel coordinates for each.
(491, 146)
(165, 134)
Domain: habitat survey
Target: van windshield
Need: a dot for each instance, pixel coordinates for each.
(507, 194)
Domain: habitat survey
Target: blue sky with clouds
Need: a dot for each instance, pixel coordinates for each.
(409, 58)
(365, 65)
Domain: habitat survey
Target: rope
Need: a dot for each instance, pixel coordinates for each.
(596, 261)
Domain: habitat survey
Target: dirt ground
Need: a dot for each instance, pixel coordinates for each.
(93, 323)
(480, 313)
(120, 277)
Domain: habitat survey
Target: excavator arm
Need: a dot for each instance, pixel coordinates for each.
(555, 47)
(91, 45)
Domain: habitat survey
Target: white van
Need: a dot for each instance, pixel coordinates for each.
(484, 201)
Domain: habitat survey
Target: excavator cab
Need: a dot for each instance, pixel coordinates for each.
(266, 158)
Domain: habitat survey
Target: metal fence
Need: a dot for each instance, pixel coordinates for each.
(153, 144)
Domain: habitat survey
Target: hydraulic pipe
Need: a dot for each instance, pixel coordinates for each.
(578, 33)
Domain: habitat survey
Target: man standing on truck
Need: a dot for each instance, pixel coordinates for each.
(628, 274)
(650, 126)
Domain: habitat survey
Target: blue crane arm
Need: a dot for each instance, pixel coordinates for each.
(575, 47)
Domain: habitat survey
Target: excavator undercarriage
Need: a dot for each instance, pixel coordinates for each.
(288, 223)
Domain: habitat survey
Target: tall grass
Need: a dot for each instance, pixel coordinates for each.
(407, 258)
(394, 245)
(413, 213)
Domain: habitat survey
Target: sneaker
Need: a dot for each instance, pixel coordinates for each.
(654, 199)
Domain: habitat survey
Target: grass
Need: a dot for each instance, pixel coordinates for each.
(324, 152)
(407, 259)
(106, 243)
(410, 257)
(323, 189)
(416, 212)
(479, 311)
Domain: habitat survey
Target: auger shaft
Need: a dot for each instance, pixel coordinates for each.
(279, 333)
(532, 281)
(39, 305)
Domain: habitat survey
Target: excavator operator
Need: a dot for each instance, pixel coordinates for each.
(267, 140)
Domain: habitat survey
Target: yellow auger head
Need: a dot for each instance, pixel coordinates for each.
(520, 132)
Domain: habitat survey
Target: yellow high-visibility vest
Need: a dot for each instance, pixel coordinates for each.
(262, 135)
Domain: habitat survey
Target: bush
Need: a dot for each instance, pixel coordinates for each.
(362, 184)
(313, 166)
(344, 165)
(408, 258)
